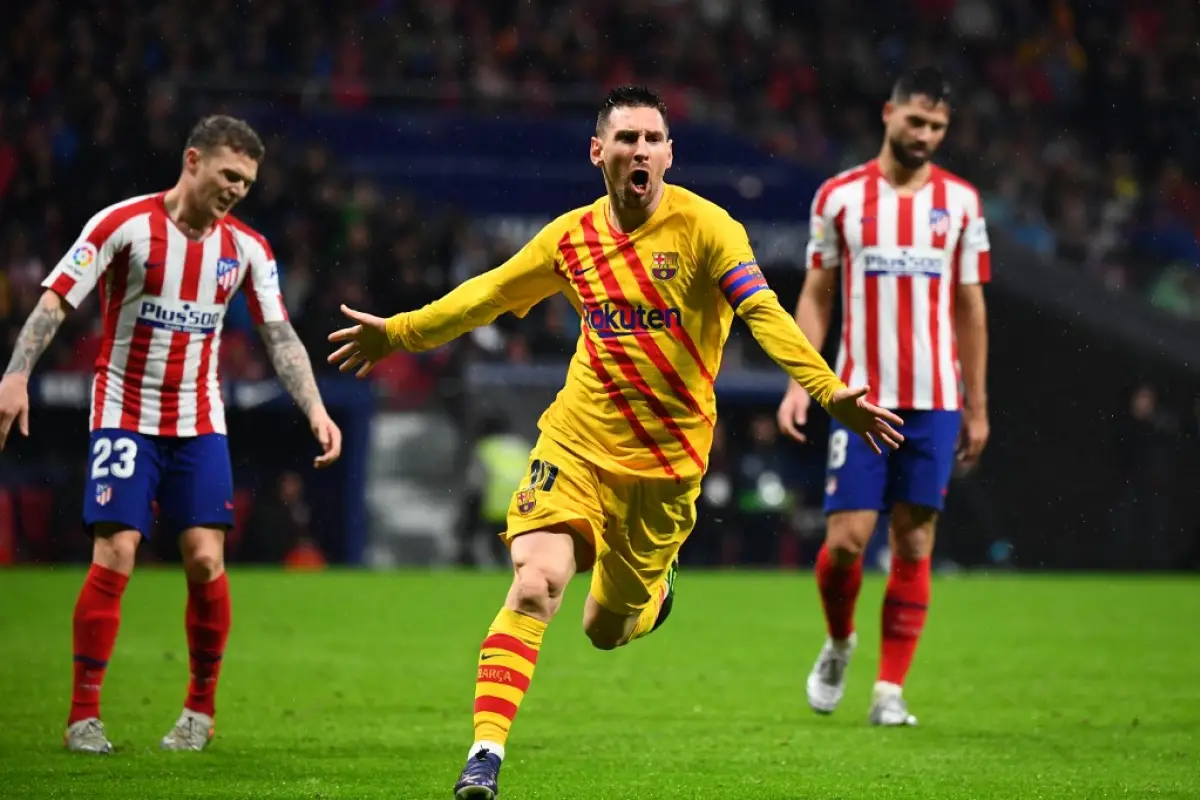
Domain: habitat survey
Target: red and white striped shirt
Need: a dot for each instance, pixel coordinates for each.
(903, 257)
(163, 299)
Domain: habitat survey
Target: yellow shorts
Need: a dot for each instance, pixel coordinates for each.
(634, 526)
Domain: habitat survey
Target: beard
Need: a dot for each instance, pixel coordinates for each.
(906, 157)
(627, 196)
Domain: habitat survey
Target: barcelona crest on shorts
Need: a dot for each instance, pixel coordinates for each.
(526, 500)
(665, 266)
(939, 221)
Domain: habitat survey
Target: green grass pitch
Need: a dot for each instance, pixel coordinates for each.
(360, 685)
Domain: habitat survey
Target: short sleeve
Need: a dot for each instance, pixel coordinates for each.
(78, 272)
(974, 248)
(824, 239)
(263, 294)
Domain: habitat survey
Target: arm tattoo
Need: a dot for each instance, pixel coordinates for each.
(291, 363)
(36, 334)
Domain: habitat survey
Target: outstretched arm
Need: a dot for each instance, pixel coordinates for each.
(776, 331)
(739, 278)
(517, 285)
(813, 311)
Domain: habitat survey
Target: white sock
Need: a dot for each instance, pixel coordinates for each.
(844, 644)
(884, 689)
(491, 747)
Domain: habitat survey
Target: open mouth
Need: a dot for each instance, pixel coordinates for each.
(640, 180)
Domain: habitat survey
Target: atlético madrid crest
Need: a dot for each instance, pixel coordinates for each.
(939, 221)
(526, 500)
(666, 265)
(103, 494)
(227, 273)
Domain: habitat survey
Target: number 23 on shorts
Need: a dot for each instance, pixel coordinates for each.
(113, 456)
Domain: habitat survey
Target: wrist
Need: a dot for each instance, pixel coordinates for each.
(975, 405)
(19, 377)
(394, 328)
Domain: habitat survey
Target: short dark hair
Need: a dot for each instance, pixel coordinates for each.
(923, 82)
(629, 97)
(219, 130)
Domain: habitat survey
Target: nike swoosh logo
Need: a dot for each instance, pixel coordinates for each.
(579, 272)
(485, 657)
(153, 265)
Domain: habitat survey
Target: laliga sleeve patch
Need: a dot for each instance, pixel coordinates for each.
(82, 257)
(976, 235)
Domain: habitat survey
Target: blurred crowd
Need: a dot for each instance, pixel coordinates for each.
(1075, 118)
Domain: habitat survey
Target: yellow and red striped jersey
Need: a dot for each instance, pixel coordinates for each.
(656, 307)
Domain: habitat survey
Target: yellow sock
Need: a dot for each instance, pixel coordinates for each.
(645, 621)
(506, 661)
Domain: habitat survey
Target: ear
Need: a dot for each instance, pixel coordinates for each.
(888, 108)
(670, 153)
(597, 152)
(191, 160)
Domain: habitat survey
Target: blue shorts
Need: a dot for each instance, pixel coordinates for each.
(918, 473)
(191, 478)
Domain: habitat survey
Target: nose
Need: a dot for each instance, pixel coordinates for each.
(642, 153)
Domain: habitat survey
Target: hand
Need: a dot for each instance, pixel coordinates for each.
(793, 412)
(850, 407)
(366, 343)
(973, 437)
(328, 435)
(14, 405)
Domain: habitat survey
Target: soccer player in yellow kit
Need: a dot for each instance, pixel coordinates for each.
(657, 274)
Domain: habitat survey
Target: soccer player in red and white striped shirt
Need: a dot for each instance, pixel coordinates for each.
(910, 244)
(167, 266)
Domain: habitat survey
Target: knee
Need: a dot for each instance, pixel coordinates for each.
(913, 545)
(115, 549)
(603, 639)
(913, 533)
(603, 631)
(846, 541)
(203, 556)
(538, 589)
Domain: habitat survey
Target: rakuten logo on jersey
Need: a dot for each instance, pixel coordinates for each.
(609, 320)
(901, 261)
(180, 317)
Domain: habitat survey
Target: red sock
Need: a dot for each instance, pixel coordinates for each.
(839, 592)
(94, 626)
(208, 620)
(905, 605)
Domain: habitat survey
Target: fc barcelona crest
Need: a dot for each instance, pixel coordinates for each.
(666, 265)
(526, 500)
